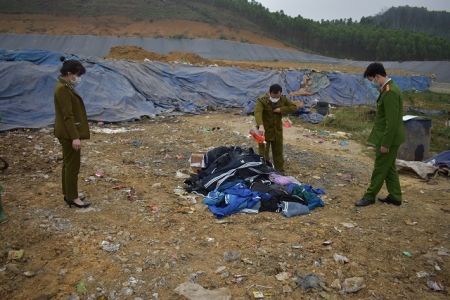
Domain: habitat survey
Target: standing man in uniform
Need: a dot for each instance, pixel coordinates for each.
(269, 109)
(387, 135)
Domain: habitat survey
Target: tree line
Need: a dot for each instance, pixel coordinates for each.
(345, 39)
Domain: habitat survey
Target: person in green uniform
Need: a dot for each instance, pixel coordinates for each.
(269, 109)
(387, 134)
(71, 126)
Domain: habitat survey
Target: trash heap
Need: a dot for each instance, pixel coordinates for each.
(234, 179)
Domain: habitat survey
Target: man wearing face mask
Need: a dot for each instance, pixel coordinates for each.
(268, 111)
(71, 126)
(387, 135)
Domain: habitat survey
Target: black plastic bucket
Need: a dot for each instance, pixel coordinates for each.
(322, 108)
(418, 138)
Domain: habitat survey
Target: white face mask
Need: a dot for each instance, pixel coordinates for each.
(75, 82)
(274, 100)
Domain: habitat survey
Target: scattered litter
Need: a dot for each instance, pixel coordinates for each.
(340, 258)
(182, 174)
(442, 251)
(423, 274)
(336, 284)
(112, 131)
(283, 276)
(107, 246)
(136, 143)
(28, 274)
(297, 246)
(347, 225)
(407, 253)
(352, 285)
(99, 174)
(411, 223)
(310, 281)
(343, 143)
(230, 256)
(435, 285)
(347, 177)
(131, 194)
(81, 287)
(329, 242)
(220, 269)
(15, 254)
(224, 221)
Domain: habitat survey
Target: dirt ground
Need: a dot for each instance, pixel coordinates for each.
(165, 240)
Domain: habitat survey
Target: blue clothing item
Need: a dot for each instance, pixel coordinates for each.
(312, 199)
(214, 198)
(236, 198)
(311, 190)
(233, 204)
(239, 189)
(290, 209)
(291, 187)
(312, 118)
(227, 185)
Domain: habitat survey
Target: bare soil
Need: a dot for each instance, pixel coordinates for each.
(164, 240)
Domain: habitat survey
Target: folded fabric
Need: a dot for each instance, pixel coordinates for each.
(214, 198)
(290, 209)
(279, 179)
(312, 199)
(310, 189)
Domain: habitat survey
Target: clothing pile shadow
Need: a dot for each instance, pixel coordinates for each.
(235, 179)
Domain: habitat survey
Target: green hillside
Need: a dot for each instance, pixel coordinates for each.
(346, 39)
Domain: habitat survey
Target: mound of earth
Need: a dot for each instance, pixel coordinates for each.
(139, 54)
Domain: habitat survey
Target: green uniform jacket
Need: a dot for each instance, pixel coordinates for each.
(70, 114)
(388, 129)
(272, 121)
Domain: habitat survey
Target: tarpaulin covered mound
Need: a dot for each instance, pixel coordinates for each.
(116, 91)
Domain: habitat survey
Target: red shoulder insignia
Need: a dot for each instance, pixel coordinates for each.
(386, 88)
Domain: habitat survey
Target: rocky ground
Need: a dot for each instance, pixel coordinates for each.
(145, 245)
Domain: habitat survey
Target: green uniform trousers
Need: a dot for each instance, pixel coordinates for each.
(277, 153)
(385, 171)
(70, 169)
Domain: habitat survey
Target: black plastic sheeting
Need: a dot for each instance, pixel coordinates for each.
(210, 49)
(124, 90)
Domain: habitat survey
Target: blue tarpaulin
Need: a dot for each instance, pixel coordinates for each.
(124, 90)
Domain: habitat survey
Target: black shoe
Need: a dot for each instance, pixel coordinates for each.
(364, 202)
(388, 200)
(70, 203)
(80, 197)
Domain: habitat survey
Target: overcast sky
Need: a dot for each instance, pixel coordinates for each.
(344, 9)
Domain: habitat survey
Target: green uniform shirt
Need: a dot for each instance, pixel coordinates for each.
(272, 121)
(70, 114)
(388, 128)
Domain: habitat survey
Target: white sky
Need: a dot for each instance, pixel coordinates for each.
(344, 9)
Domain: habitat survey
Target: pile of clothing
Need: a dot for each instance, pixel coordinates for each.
(238, 180)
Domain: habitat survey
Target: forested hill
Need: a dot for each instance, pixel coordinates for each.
(418, 19)
(345, 39)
